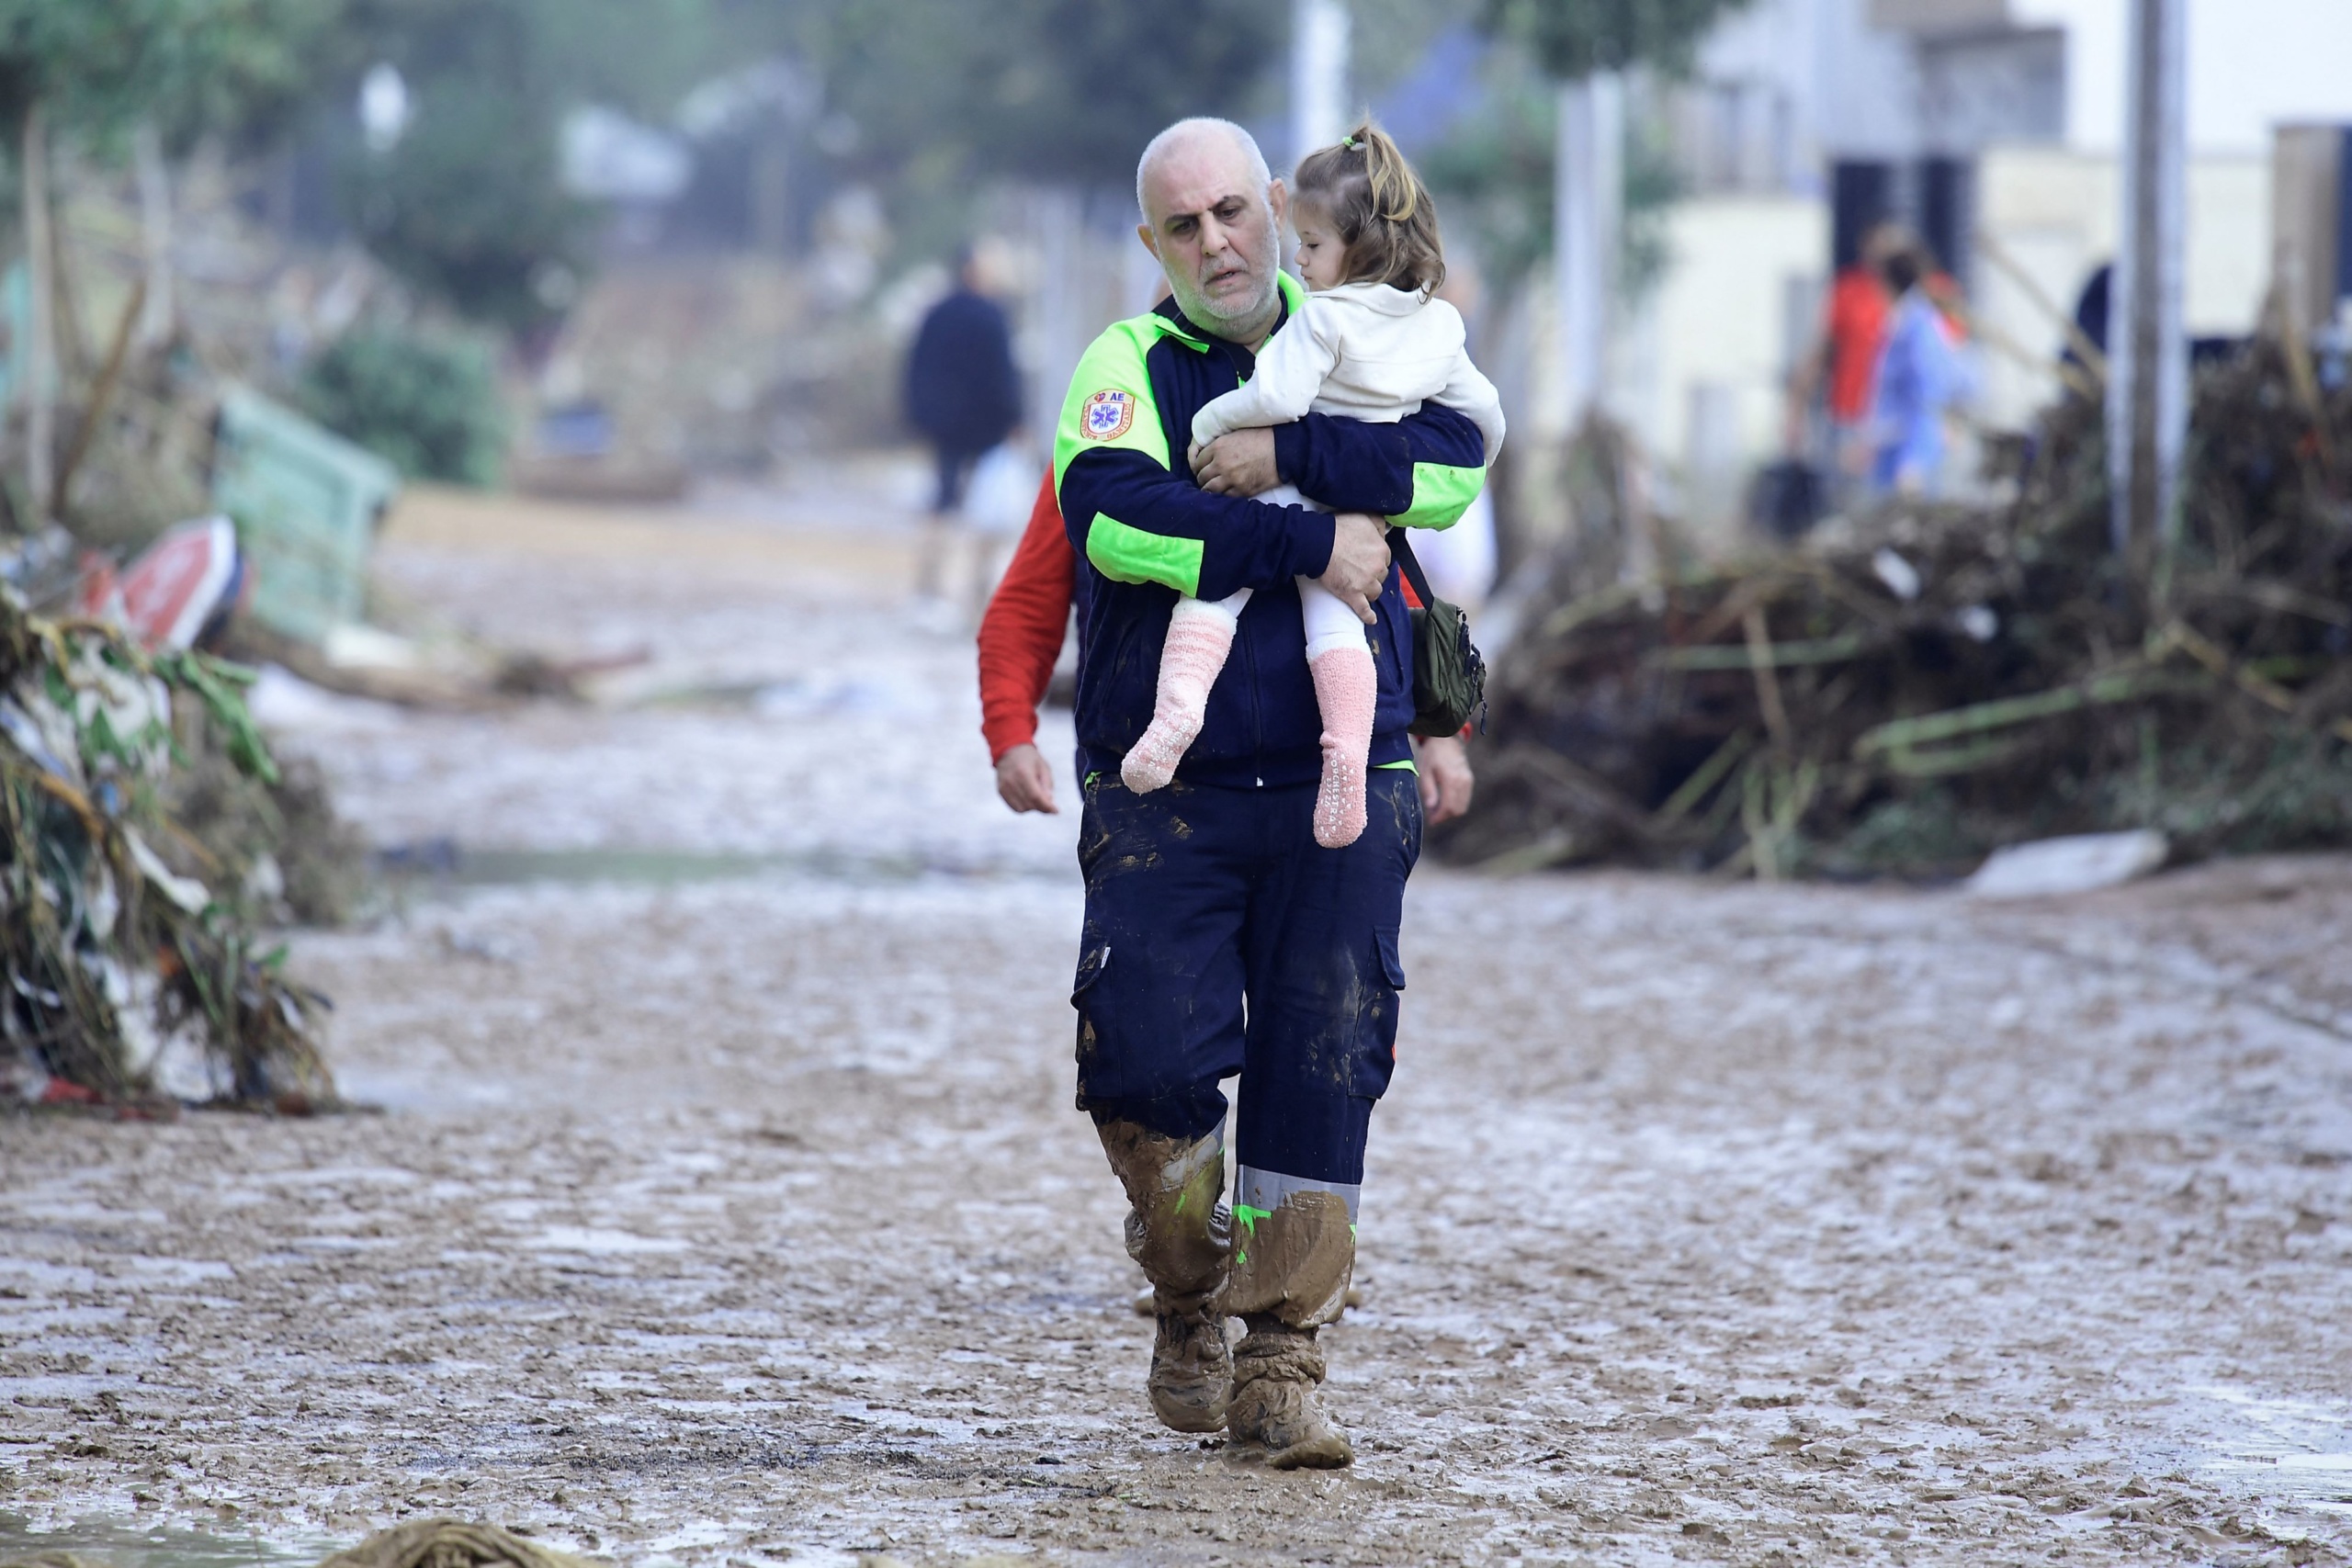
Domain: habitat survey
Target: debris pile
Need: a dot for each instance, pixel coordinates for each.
(420, 1543)
(451, 1543)
(134, 975)
(1901, 694)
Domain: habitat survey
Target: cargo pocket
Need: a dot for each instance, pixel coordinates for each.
(1375, 1056)
(1090, 966)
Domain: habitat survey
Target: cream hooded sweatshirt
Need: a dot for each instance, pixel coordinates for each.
(1366, 351)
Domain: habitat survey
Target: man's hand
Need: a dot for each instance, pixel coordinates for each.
(1239, 462)
(1359, 567)
(1445, 778)
(1026, 780)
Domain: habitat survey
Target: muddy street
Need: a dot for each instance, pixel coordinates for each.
(726, 1204)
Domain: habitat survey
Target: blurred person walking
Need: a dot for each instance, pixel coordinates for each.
(1839, 371)
(1219, 939)
(963, 393)
(1920, 378)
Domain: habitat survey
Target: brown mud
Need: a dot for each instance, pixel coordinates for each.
(736, 1221)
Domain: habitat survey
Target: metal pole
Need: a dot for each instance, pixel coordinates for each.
(1589, 196)
(2147, 399)
(40, 367)
(155, 316)
(1318, 75)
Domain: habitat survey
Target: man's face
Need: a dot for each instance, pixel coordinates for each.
(1215, 231)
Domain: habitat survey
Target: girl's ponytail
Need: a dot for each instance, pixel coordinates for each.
(1395, 191)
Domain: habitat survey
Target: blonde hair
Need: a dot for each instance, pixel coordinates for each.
(1385, 216)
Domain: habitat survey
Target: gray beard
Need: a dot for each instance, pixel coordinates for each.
(1199, 311)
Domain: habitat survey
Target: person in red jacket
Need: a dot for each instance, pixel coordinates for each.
(1021, 637)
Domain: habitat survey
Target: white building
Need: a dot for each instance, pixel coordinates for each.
(1995, 125)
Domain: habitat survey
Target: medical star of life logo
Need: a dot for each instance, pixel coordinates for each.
(1108, 415)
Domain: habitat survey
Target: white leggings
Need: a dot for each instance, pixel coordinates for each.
(1329, 623)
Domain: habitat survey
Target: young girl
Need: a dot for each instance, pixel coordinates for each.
(1372, 344)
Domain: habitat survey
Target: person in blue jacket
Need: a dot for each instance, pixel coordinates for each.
(1219, 939)
(1920, 376)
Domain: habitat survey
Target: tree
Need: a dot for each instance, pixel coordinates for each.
(1583, 45)
(468, 205)
(1575, 39)
(94, 70)
(930, 99)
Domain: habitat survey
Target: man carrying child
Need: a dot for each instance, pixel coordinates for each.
(1220, 938)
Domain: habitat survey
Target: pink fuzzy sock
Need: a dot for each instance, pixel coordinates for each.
(1199, 637)
(1347, 688)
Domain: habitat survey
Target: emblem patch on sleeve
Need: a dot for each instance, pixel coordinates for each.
(1107, 416)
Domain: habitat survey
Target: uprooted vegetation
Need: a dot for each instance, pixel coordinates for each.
(1901, 693)
(136, 970)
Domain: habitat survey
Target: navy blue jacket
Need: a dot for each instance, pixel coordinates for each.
(963, 391)
(1146, 532)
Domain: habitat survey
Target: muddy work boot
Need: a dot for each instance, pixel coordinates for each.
(1191, 1371)
(1275, 1373)
(1178, 1232)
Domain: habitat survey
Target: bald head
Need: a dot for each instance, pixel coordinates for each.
(1212, 215)
(1201, 136)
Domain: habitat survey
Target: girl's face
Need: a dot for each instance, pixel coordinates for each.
(1322, 259)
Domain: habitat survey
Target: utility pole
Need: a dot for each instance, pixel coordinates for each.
(1587, 196)
(38, 365)
(1319, 74)
(2147, 393)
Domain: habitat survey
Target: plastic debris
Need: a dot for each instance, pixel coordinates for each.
(130, 978)
(2081, 864)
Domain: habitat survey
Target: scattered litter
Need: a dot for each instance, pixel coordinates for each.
(354, 645)
(284, 702)
(306, 503)
(2082, 864)
(185, 584)
(125, 930)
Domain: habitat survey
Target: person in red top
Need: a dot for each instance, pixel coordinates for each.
(1021, 637)
(1852, 333)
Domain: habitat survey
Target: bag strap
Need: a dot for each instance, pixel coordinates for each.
(1411, 565)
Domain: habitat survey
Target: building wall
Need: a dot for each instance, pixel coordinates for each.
(1701, 373)
(2046, 220)
(2252, 64)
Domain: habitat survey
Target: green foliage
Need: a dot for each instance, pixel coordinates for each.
(930, 100)
(1492, 175)
(1493, 178)
(221, 686)
(102, 65)
(93, 901)
(544, 55)
(428, 405)
(1573, 39)
(467, 206)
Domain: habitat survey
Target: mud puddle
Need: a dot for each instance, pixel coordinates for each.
(116, 1541)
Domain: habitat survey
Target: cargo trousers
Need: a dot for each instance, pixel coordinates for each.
(1221, 941)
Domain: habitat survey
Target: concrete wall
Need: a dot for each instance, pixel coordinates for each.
(2053, 215)
(1701, 373)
